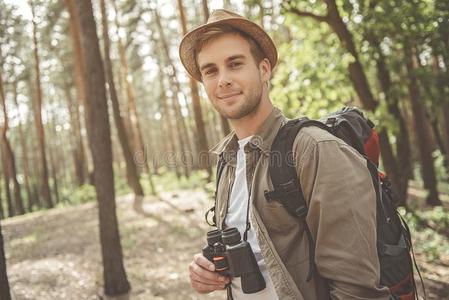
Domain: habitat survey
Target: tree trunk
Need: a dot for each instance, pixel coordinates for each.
(445, 123)
(76, 137)
(45, 188)
(261, 13)
(201, 138)
(53, 170)
(183, 135)
(2, 213)
(4, 284)
(356, 73)
(23, 145)
(99, 135)
(5, 164)
(80, 157)
(355, 68)
(33, 155)
(132, 108)
(424, 146)
(433, 120)
(11, 164)
(227, 4)
(9, 155)
(131, 169)
(167, 117)
(443, 115)
(398, 168)
(205, 10)
(54, 166)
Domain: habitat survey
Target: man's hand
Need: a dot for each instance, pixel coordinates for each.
(203, 279)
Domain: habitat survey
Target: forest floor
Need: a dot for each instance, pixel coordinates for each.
(55, 254)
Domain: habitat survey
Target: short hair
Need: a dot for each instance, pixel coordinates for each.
(213, 32)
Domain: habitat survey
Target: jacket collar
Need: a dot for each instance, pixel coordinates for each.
(262, 139)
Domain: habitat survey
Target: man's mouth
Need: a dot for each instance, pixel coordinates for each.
(228, 96)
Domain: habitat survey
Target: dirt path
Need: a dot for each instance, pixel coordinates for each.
(55, 254)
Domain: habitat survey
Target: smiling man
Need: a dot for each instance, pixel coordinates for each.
(234, 58)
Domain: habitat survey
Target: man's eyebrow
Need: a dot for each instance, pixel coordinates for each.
(206, 66)
(234, 57)
(231, 58)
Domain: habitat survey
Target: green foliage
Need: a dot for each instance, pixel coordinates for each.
(441, 172)
(312, 80)
(429, 230)
(78, 195)
(167, 181)
(121, 185)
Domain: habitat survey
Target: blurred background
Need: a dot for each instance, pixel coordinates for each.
(99, 83)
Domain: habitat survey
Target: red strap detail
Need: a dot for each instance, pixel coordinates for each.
(410, 296)
(403, 287)
(372, 147)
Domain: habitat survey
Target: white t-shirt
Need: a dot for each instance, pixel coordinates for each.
(236, 217)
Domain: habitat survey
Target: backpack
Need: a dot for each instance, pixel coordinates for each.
(394, 244)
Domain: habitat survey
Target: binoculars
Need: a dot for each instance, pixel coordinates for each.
(234, 257)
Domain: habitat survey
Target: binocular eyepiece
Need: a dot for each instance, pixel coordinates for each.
(234, 257)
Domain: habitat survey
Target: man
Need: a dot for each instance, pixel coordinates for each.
(233, 58)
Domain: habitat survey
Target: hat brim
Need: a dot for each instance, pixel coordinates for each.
(187, 46)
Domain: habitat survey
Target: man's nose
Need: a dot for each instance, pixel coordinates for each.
(225, 79)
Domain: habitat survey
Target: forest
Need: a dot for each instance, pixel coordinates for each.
(105, 170)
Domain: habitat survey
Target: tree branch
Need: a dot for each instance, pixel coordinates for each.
(308, 14)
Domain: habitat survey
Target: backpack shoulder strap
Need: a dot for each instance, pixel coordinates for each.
(287, 188)
(282, 170)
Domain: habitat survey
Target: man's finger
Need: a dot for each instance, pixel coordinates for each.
(204, 275)
(204, 262)
(206, 278)
(206, 288)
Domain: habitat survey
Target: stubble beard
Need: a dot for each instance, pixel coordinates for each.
(247, 106)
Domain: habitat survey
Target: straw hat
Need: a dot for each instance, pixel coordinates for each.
(219, 17)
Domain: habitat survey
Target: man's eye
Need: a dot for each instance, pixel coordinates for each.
(235, 64)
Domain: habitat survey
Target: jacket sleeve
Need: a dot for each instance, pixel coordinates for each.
(342, 217)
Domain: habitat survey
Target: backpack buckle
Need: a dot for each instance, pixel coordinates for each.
(301, 212)
(289, 187)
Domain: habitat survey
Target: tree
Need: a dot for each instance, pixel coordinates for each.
(24, 148)
(45, 187)
(425, 151)
(10, 163)
(181, 128)
(135, 132)
(167, 115)
(5, 164)
(199, 122)
(99, 136)
(4, 284)
(131, 169)
(397, 168)
(79, 155)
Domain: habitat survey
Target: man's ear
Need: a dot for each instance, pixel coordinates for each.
(265, 69)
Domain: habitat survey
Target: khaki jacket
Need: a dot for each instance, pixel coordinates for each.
(342, 214)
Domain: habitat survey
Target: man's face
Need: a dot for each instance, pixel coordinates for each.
(233, 81)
